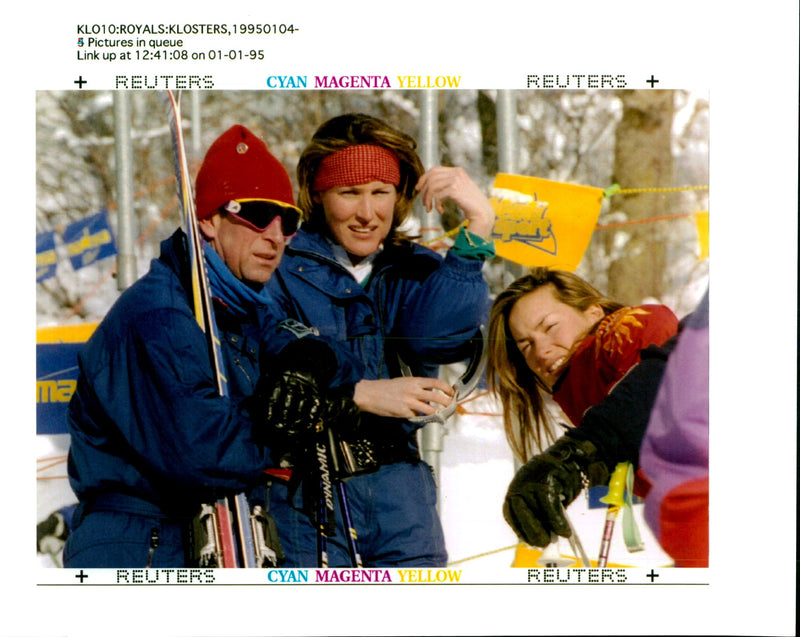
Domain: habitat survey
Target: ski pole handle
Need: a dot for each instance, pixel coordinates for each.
(616, 485)
(615, 499)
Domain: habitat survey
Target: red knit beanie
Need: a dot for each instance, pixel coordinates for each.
(239, 166)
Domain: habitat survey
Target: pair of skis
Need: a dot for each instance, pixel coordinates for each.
(232, 533)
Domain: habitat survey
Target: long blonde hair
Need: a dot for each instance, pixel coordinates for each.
(527, 426)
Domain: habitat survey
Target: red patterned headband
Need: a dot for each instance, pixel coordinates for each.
(357, 165)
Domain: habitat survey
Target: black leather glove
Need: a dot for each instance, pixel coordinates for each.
(341, 414)
(293, 404)
(289, 399)
(546, 484)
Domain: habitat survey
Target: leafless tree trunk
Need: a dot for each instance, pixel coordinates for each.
(643, 159)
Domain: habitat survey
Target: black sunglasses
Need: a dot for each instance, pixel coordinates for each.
(259, 214)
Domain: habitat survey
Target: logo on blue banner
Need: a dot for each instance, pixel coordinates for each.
(56, 380)
(89, 240)
(45, 256)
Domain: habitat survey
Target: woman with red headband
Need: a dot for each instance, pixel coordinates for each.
(395, 311)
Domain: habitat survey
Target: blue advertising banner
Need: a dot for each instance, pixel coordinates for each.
(56, 378)
(89, 240)
(57, 373)
(45, 255)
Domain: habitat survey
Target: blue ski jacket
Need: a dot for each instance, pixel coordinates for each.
(146, 419)
(416, 307)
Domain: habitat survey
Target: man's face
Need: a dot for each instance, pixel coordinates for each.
(251, 255)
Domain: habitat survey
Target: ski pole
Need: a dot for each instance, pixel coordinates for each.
(575, 542)
(615, 500)
(326, 513)
(352, 546)
(322, 535)
(551, 556)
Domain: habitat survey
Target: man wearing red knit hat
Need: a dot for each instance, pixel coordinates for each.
(152, 439)
(245, 205)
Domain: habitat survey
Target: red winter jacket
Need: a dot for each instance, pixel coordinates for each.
(607, 354)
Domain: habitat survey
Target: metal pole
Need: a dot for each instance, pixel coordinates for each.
(429, 154)
(508, 150)
(432, 434)
(507, 133)
(507, 160)
(123, 152)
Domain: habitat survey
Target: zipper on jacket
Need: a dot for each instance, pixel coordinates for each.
(377, 280)
(238, 362)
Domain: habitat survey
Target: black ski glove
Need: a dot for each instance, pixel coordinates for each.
(341, 414)
(546, 484)
(288, 402)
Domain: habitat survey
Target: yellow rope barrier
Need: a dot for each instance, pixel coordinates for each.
(475, 557)
(633, 222)
(447, 234)
(616, 190)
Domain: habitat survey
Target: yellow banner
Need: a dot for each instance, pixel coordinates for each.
(701, 220)
(542, 222)
(78, 333)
